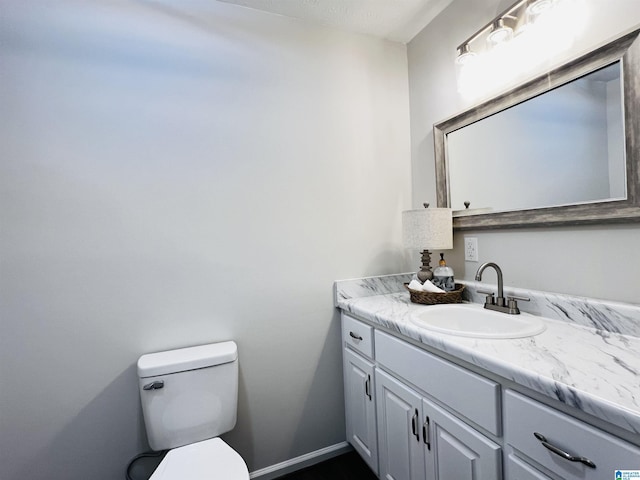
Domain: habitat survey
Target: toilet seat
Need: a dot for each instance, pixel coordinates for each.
(210, 459)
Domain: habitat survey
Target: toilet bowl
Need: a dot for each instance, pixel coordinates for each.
(189, 397)
(209, 459)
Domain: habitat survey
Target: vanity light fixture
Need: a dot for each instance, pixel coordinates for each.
(500, 30)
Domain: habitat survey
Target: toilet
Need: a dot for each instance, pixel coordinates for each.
(190, 397)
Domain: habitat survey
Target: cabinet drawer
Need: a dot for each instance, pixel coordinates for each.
(524, 417)
(519, 470)
(357, 335)
(469, 394)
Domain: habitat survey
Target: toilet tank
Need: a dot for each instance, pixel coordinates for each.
(190, 394)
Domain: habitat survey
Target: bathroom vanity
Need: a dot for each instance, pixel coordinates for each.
(564, 404)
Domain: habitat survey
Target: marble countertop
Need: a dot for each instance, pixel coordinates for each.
(591, 369)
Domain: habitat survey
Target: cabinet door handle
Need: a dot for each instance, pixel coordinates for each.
(426, 434)
(414, 425)
(355, 336)
(562, 453)
(367, 387)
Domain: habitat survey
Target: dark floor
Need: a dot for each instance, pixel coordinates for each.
(343, 467)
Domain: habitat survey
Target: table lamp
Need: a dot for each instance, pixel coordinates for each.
(427, 228)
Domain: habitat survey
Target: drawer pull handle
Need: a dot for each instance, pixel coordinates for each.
(562, 453)
(355, 336)
(414, 425)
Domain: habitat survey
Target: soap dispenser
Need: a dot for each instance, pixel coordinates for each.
(443, 276)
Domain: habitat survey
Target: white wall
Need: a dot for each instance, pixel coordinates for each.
(177, 175)
(577, 261)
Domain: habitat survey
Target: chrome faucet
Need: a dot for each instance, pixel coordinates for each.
(498, 304)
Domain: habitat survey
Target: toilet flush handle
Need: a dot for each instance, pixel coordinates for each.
(154, 385)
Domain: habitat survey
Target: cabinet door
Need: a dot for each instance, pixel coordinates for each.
(360, 407)
(455, 450)
(400, 450)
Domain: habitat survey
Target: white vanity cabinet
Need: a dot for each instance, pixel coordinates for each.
(472, 396)
(418, 439)
(413, 415)
(560, 444)
(456, 450)
(516, 469)
(401, 452)
(359, 390)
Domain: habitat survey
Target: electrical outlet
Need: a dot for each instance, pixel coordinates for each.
(471, 249)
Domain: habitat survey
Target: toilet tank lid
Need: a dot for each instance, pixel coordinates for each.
(183, 359)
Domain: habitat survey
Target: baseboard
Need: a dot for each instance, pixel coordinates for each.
(303, 461)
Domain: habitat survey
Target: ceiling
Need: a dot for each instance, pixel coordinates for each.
(395, 20)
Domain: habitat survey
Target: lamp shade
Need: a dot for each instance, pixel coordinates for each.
(429, 228)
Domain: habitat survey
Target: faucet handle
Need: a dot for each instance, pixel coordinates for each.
(513, 304)
(514, 297)
(489, 300)
(485, 292)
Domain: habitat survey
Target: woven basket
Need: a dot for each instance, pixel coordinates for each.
(434, 298)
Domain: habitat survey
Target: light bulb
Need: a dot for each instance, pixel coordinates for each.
(500, 32)
(465, 54)
(538, 6)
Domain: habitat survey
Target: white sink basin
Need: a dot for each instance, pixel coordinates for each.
(473, 320)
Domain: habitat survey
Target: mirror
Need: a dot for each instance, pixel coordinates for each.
(581, 123)
(560, 149)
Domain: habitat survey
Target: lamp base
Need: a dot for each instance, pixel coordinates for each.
(425, 272)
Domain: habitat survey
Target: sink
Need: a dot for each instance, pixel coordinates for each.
(473, 320)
